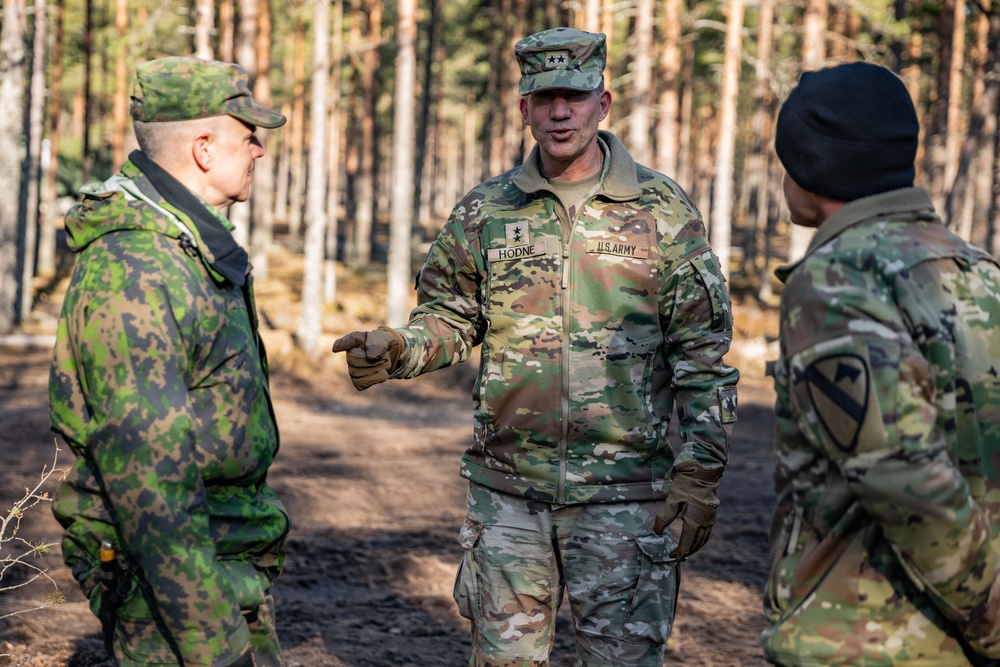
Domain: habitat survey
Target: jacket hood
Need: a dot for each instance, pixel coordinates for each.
(145, 197)
(108, 207)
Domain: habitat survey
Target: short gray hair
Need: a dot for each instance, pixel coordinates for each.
(156, 139)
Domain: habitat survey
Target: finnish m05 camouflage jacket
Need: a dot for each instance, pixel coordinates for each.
(594, 324)
(886, 538)
(159, 386)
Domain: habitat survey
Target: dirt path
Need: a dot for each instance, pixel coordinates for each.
(371, 482)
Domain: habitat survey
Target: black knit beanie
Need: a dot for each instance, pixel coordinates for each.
(848, 132)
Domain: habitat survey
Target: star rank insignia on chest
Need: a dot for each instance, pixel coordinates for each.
(517, 234)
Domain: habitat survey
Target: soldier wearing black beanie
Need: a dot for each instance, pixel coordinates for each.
(848, 132)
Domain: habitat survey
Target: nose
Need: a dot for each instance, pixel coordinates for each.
(560, 108)
(256, 148)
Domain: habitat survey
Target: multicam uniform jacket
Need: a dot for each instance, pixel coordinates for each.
(159, 386)
(886, 538)
(593, 323)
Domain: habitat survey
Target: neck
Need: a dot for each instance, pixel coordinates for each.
(583, 166)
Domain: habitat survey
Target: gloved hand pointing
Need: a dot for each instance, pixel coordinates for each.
(371, 355)
(693, 496)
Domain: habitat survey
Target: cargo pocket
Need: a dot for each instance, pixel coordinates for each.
(651, 612)
(466, 590)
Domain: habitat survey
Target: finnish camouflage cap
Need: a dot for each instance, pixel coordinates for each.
(185, 88)
(561, 58)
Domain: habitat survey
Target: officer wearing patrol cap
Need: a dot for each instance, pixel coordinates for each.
(159, 386)
(886, 537)
(590, 285)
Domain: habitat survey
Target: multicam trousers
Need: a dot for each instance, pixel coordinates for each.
(520, 556)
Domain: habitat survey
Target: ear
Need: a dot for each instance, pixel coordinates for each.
(201, 150)
(605, 104)
(524, 111)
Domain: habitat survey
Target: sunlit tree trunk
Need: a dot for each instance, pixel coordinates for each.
(47, 219)
(12, 64)
(722, 204)
(246, 55)
(420, 161)
(226, 30)
(758, 155)
(953, 132)
(642, 77)
(401, 229)
(590, 17)
(813, 53)
(297, 130)
(88, 47)
(365, 193)
(469, 143)
(204, 24)
(311, 324)
(31, 169)
(980, 138)
(333, 160)
(120, 108)
(669, 103)
(685, 161)
(262, 211)
(935, 148)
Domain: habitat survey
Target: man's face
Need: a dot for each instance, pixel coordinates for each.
(803, 206)
(564, 123)
(235, 148)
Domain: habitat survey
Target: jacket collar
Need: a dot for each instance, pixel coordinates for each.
(224, 254)
(894, 203)
(618, 178)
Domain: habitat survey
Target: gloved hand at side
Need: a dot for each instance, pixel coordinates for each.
(693, 497)
(371, 355)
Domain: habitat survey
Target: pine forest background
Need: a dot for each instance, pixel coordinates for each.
(397, 108)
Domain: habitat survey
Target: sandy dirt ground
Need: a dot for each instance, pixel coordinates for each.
(371, 482)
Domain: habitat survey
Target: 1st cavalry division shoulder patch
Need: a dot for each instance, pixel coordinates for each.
(839, 388)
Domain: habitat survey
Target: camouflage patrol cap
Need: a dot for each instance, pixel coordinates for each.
(185, 88)
(561, 58)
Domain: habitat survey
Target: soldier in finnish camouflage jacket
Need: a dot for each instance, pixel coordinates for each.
(159, 386)
(600, 307)
(885, 542)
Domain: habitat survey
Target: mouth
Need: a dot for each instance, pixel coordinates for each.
(562, 134)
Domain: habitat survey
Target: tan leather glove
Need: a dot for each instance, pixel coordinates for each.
(693, 497)
(371, 355)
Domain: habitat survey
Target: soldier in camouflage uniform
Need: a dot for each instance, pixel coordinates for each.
(885, 543)
(590, 284)
(159, 386)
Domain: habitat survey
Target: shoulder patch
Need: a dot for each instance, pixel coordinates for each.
(839, 388)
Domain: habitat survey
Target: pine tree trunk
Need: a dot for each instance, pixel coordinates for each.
(246, 55)
(365, 193)
(642, 77)
(669, 103)
(953, 131)
(722, 204)
(31, 170)
(813, 54)
(401, 229)
(298, 136)
(758, 156)
(333, 160)
(204, 24)
(47, 219)
(311, 324)
(226, 30)
(262, 210)
(12, 64)
(120, 110)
